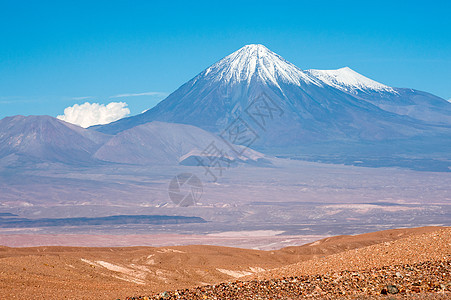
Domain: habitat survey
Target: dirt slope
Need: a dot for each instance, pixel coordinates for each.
(432, 246)
(111, 273)
(416, 267)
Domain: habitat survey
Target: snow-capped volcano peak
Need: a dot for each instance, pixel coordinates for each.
(349, 80)
(256, 61)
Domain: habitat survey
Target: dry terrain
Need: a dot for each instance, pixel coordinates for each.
(112, 273)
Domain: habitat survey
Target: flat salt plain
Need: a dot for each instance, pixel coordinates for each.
(294, 201)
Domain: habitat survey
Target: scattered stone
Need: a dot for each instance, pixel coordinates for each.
(426, 277)
(389, 289)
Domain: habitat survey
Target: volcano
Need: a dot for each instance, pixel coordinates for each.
(279, 105)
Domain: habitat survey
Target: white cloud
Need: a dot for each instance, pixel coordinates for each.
(89, 114)
(140, 94)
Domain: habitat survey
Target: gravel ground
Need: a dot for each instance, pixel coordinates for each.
(112, 273)
(433, 246)
(426, 280)
(415, 267)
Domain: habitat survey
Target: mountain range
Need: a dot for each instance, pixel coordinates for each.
(304, 106)
(37, 139)
(253, 98)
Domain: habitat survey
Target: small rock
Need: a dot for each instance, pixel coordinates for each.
(389, 289)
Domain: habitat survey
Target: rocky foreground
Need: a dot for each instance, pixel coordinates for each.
(426, 280)
(409, 263)
(413, 267)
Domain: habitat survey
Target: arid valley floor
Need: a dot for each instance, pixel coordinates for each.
(406, 263)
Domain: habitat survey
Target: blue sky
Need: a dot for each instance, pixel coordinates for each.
(55, 54)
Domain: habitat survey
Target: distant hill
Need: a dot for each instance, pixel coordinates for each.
(44, 139)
